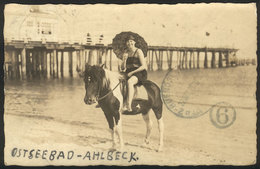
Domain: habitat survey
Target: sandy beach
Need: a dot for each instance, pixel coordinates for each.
(51, 115)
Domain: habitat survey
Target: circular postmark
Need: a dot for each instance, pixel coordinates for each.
(222, 115)
(181, 94)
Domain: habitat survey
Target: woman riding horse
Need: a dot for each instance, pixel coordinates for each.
(135, 67)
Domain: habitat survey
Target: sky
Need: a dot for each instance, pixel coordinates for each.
(189, 25)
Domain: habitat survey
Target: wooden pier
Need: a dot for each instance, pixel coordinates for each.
(42, 59)
(190, 57)
(34, 59)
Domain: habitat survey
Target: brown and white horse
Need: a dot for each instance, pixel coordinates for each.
(105, 87)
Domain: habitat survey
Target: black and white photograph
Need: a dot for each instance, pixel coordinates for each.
(135, 84)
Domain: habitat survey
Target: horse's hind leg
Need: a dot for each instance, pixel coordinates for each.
(155, 100)
(158, 114)
(148, 127)
(161, 131)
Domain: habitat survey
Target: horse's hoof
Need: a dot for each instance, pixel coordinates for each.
(146, 141)
(146, 144)
(160, 149)
(112, 149)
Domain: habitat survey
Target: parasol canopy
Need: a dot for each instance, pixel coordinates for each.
(119, 43)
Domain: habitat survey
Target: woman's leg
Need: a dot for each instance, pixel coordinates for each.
(131, 82)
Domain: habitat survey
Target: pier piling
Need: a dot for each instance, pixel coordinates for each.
(152, 60)
(198, 59)
(206, 60)
(23, 65)
(213, 64)
(227, 59)
(62, 63)
(185, 60)
(70, 64)
(45, 63)
(57, 63)
(193, 60)
(220, 64)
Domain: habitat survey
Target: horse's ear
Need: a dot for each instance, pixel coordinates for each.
(82, 74)
(102, 66)
(87, 66)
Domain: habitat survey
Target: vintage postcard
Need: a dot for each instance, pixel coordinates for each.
(139, 84)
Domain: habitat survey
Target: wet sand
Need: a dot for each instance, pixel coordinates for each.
(51, 115)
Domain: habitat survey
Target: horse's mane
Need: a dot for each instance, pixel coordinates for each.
(111, 78)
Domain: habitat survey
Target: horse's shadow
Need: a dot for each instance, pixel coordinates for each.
(143, 146)
(105, 144)
(92, 141)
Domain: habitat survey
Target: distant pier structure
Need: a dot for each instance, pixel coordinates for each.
(33, 59)
(36, 58)
(191, 57)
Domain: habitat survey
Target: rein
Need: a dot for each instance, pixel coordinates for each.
(101, 98)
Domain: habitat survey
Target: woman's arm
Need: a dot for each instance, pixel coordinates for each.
(123, 65)
(143, 66)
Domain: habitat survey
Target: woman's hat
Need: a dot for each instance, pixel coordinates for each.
(130, 38)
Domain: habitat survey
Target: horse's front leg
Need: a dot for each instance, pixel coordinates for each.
(120, 135)
(118, 122)
(112, 131)
(112, 128)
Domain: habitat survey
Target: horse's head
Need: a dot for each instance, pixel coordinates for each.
(94, 82)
